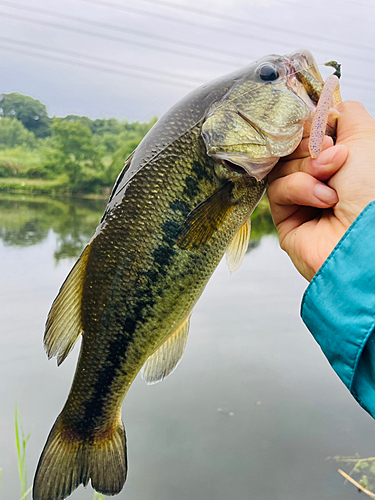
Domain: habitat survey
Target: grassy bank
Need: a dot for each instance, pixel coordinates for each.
(23, 185)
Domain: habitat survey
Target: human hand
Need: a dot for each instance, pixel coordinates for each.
(313, 202)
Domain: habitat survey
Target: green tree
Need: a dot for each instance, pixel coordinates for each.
(13, 133)
(118, 161)
(31, 112)
(103, 126)
(85, 120)
(76, 154)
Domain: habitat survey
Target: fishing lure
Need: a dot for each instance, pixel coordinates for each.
(320, 120)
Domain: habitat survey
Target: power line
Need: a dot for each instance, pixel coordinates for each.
(222, 30)
(98, 68)
(360, 3)
(137, 68)
(113, 27)
(183, 43)
(186, 22)
(183, 21)
(224, 16)
(163, 39)
(116, 39)
(246, 22)
(324, 10)
(185, 78)
(157, 15)
(113, 71)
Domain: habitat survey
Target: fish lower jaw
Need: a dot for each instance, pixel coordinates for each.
(258, 168)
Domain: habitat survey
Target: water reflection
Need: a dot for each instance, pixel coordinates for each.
(27, 220)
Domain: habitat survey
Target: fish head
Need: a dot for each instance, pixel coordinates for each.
(262, 115)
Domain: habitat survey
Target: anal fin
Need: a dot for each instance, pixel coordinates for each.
(237, 249)
(165, 360)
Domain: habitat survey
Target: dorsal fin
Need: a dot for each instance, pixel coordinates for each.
(64, 324)
(165, 360)
(237, 249)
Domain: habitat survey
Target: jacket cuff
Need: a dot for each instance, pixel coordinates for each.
(338, 308)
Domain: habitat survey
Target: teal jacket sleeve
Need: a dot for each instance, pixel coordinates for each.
(338, 308)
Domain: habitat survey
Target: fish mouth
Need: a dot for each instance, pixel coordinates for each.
(304, 78)
(256, 151)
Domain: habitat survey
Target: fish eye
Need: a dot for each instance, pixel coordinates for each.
(268, 73)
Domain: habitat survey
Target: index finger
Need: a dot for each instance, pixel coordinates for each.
(303, 148)
(323, 168)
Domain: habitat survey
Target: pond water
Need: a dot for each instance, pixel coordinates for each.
(253, 410)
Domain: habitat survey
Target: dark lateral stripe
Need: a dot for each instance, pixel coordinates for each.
(116, 353)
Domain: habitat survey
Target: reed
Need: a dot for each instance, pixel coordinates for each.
(21, 442)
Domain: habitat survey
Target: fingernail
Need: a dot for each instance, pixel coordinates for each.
(325, 194)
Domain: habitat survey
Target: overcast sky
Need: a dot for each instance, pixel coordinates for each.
(173, 48)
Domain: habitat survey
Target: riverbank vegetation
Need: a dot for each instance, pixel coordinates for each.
(28, 219)
(69, 155)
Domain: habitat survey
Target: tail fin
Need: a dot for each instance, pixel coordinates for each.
(67, 461)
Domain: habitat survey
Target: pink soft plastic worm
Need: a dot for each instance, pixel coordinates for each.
(320, 120)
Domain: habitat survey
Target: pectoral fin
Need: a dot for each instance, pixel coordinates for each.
(165, 360)
(206, 218)
(63, 325)
(237, 249)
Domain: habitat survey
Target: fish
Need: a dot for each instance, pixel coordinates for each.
(182, 201)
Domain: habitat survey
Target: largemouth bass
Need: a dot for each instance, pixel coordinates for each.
(183, 200)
